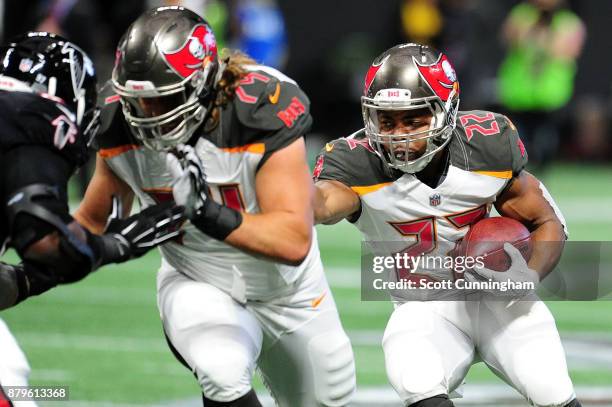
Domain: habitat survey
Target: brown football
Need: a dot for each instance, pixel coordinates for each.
(486, 238)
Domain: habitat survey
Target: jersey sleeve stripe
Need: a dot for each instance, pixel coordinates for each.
(363, 190)
(497, 174)
(115, 151)
(256, 148)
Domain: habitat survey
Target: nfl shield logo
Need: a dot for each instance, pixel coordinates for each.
(25, 64)
(434, 200)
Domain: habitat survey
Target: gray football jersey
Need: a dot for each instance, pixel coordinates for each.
(268, 112)
(485, 154)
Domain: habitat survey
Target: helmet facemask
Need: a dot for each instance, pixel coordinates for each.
(166, 116)
(410, 104)
(394, 148)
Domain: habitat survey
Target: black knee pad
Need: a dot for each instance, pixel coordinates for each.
(573, 403)
(248, 400)
(441, 400)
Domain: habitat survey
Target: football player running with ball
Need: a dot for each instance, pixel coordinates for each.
(244, 286)
(422, 171)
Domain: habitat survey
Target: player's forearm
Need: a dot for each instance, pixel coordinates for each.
(279, 236)
(322, 211)
(333, 202)
(548, 241)
(93, 224)
(326, 216)
(93, 211)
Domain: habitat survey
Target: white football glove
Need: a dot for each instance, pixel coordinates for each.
(519, 271)
(189, 188)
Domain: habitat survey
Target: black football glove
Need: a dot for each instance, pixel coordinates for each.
(191, 191)
(129, 238)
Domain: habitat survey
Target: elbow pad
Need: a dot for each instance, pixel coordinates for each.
(76, 254)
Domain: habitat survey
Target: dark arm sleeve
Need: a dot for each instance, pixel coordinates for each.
(32, 164)
(516, 147)
(279, 112)
(332, 164)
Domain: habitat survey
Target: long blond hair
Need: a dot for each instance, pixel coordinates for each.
(234, 61)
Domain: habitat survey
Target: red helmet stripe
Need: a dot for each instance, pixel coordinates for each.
(369, 78)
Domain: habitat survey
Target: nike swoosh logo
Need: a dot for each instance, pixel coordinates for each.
(274, 97)
(315, 303)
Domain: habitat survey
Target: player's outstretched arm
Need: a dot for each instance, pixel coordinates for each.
(69, 251)
(528, 201)
(334, 201)
(123, 238)
(18, 282)
(55, 248)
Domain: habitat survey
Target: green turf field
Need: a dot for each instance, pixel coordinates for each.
(103, 338)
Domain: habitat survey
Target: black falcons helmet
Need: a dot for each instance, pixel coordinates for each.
(166, 67)
(54, 67)
(410, 77)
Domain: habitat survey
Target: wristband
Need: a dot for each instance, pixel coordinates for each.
(217, 221)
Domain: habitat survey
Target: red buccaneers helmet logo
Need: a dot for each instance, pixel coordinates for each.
(189, 57)
(440, 76)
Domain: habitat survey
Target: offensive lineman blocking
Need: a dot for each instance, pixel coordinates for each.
(245, 284)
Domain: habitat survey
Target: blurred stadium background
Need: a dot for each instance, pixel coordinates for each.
(103, 338)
